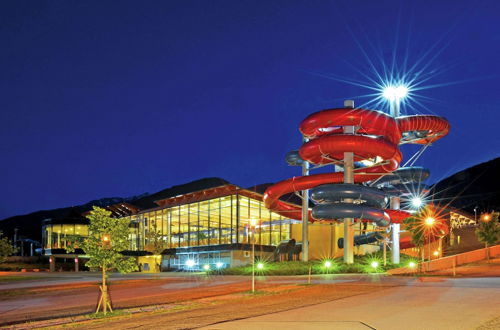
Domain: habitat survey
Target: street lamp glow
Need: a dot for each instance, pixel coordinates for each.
(429, 221)
(190, 263)
(416, 202)
(260, 265)
(374, 264)
(486, 217)
(395, 93)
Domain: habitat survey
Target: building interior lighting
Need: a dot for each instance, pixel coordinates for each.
(190, 263)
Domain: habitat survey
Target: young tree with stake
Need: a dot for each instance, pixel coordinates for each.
(108, 237)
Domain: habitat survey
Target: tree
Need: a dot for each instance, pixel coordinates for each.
(488, 231)
(156, 243)
(108, 237)
(6, 248)
(417, 231)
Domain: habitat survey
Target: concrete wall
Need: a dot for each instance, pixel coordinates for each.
(323, 240)
(449, 262)
(149, 264)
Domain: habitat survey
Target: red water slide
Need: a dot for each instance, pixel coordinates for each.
(377, 136)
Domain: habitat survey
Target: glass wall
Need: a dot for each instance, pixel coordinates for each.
(216, 221)
(55, 235)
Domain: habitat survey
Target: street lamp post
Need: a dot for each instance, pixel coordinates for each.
(429, 222)
(253, 224)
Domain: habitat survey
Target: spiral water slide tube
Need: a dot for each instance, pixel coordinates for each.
(377, 137)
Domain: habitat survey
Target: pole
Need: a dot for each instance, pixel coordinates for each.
(349, 178)
(429, 249)
(253, 263)
(305, 213)
(395, 201)
(394, 107)
(395, 230)
(385, 249)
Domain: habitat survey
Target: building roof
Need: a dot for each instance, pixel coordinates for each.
(195, 191)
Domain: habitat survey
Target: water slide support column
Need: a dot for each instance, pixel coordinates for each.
(305, 213)
(395, 201)
(396, 228)
(349, 178)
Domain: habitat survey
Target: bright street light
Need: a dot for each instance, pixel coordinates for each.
(395, 93)
(429, 221)
(416, 202)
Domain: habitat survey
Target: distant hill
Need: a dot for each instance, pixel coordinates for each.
(478, 185)
(30, 225)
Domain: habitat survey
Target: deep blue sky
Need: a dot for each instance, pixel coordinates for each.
(116, 98)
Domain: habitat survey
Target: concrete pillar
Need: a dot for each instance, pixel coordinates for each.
(348, 222)
(52, 264)
(395, 230)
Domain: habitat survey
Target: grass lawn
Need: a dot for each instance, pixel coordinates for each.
(372, 263)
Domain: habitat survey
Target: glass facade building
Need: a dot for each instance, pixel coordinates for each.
(55, 232)
(215, 221)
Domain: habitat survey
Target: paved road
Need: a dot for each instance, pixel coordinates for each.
(434, 303)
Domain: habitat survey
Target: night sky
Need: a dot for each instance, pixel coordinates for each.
(118, 98)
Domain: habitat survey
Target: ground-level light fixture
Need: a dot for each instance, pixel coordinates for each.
(190, 263)
(206, 267)
(436, 253)
(412, 264)
(219, 265)
(374, 264)
(260, 266)
(486, 217)
(328, 264)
